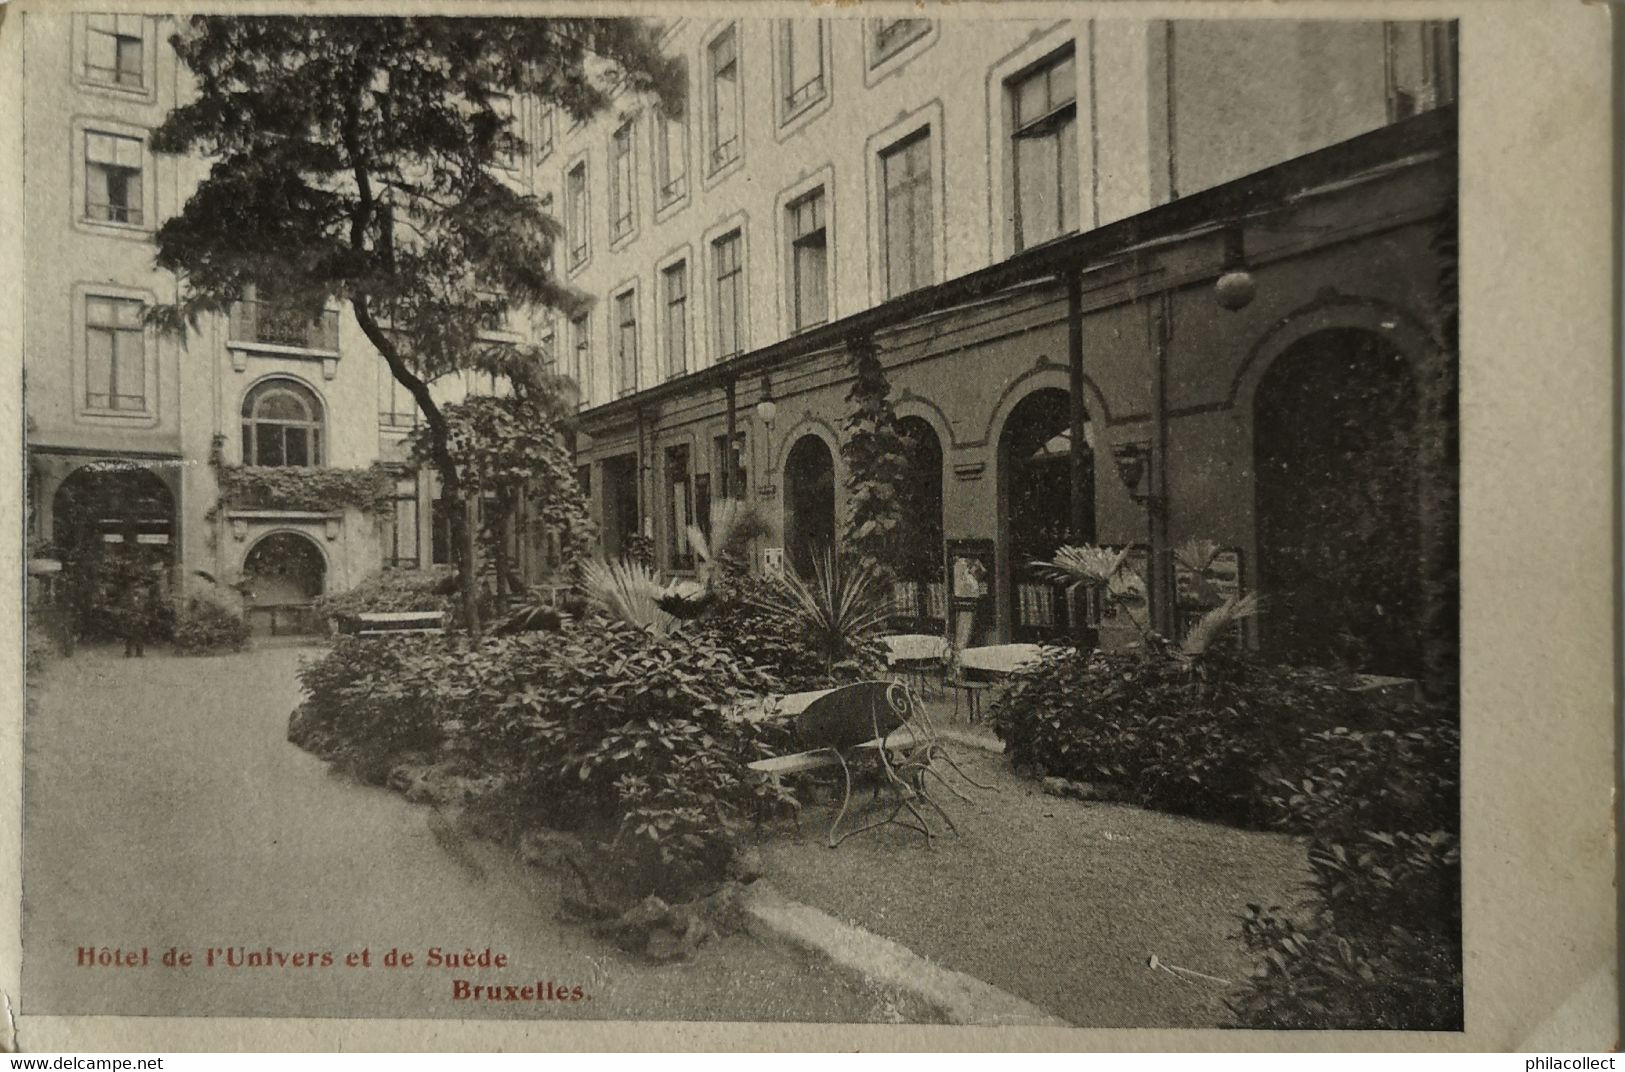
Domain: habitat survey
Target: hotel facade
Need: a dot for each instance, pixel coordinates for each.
(1134, 282)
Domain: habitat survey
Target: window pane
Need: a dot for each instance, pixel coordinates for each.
(98, 367)
(101, 53)
(129, 61)
(297, 446)
(1032, 98)
(281, 405)
(130, 370)
(1063, 82)
(1068, 185)
(811, 304)
(1037, 162)
(268, 445)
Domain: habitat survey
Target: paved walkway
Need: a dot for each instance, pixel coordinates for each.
(165, 808)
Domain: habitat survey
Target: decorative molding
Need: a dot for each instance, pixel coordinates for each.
(970, 470)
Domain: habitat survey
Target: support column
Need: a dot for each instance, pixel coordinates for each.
(1079, 457)
(1164, 604)
(730, 458)
(1077, 460)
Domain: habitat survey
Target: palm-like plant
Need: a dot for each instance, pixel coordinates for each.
(629, 591)
(1102, 571)
(842, 606)
(1218, 621)
(734, 523)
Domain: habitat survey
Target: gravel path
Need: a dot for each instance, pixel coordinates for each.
(1057, 901)
(165, 807)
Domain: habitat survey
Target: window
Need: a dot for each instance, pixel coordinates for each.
(680, 509)
(626, 340)
(113, 178)
(440, 515)
(738, 478)
(269, 320)
(725, 99)
(802, 44)
(114, 52)
(906, 207)
(400, 535)
(581, 352)
(282, 425)
(730, 280)
(888, 37)
(1044, 150)
(575, 207)
(622, 210)
(674, 283)
(115, 355)
(547, 343)
(671, 158)
(396, 406)
(547, 122)
(809, 290)
(507, 142)
(1420, 60)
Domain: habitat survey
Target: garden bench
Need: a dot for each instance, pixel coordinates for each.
(879, 719)
(397, 623)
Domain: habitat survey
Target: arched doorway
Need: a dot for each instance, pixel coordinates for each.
(1339, 534)
(107, 519)
(809, 503)
(920, 593)
(284, 573)
(1035, 465)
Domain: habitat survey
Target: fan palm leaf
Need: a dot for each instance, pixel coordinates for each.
(629, 591)
(1217, 621)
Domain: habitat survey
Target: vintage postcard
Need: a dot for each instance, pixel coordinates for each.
(1019, 526)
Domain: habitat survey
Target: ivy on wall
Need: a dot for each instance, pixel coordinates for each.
(318, 490)
(877, 464)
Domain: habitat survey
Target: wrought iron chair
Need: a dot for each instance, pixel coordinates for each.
(886, 719)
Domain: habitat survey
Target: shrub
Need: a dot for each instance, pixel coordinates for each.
(599, 727)
(434, 588)
(1214, 736)
(204, 627)
(1378, 941)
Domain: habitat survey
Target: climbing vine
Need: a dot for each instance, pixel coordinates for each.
(320, 489)
(877, 463)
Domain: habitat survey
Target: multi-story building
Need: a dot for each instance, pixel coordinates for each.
(129, 428)
(1027, 219)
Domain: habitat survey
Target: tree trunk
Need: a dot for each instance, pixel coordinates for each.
(471, 566)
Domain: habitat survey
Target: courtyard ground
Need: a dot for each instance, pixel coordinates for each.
(1058, 901)
(164, 807)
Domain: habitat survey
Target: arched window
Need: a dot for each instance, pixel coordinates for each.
(282, 425)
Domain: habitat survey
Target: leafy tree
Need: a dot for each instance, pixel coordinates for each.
(363, 161)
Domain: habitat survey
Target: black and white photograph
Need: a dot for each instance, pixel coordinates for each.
(863, 514)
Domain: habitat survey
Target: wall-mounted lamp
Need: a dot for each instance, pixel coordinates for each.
(766, 408)
(1134, 469)
(1235, 287)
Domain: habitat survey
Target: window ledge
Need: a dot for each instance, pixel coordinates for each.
(137, 232)
(241, 348)
(131, 415)
(271, 514)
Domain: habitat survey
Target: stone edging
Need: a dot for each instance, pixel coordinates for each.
(959, 998)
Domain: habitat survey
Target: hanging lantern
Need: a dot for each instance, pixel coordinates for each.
(1235, 287)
